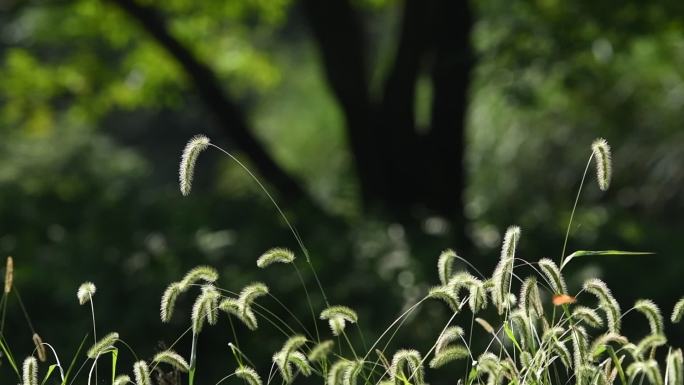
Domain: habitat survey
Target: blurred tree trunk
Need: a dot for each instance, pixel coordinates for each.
(405, 171)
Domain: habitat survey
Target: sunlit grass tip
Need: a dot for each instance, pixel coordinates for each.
(251, 292)
(450, 334)
(510, 242)
(445, 265)
(675, 367)
(553, 275)
(321, 351)
(103, 345)
(275, 255)
(249, 375)
(652, 312)
(411, 360)
(205, 308)
(337, 316)
(85, 292)
(168, 301)
(142, 373)
(121, 380)
(200, 273)
(30, 371)
(172, 358)
(608, 303)
(9, 274)
(602, 156)
(678, 311)
(40, 348)
(191, 152)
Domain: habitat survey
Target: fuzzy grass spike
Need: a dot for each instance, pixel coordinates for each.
(275, 255)
(172, 358)
(103, 345)
(191, 152)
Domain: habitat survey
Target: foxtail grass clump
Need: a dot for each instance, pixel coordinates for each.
(541, 331)
(191, 152)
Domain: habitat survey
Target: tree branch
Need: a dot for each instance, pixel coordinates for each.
(229, 116)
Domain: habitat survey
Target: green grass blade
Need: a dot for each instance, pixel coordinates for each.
(115, 355)
(10, 358)
(511, 336)
(73, 360)
(584, 253)
(49, 372)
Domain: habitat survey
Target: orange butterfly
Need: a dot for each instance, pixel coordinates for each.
(563, 299)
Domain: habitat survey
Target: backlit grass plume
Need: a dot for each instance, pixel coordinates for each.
(678, 311)
(601, 151)
(503, 272)
(289, 356)
(529, 297)
(191, 152)
(168, 301)
(275, 255)
(447, 295)
(652, 312)
(675, 368)
(447, 355)
(407, 366)
(249, 375)
(607, 302)
(9, 274)
(103, 345)
(30, 371)
(588, 316)
(121, 380)
(337, 317)
(321, 351)
(205, 308)
(445, 265)
(85, 292)
(553, 276)
(172, 358)
(141, 373)
(200, 273)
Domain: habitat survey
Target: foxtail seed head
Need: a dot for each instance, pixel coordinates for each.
(321, 351)
(85, 292)
(601, 151)
(121, 380)
(40, 348)
(191, 152)
(675, 368)
(410, 359)
(275, 255)
(249, 375)
(652, 312)
(103, 345)
(30, 371)
(678, 311)
(168, 301)
(172, 358)
(445, 265)
(9, 274)
(200, 273)
(142, 373)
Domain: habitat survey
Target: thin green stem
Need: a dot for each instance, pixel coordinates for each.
(574, 207)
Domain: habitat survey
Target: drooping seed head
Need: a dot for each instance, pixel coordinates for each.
(600, 342)
(275, 255)
(601, 151)
(588, 316)
(191, 152)
(450, 334)
(607, 302)
(529, 297)
(9, 274)
(168, 301)
(485, 325)
(85, 292)
(252, 292)
(446, 294)
(200, 273)
(103, 345)
(351, 372)
(648, 343)
(249, 375)
(205, 308)
(412, 361)
(553, 275)
(30, 371)
(141, 373)
(447, 355)
(445, 265)
(40, 348)
(678, 311)
(321, 351)
(652, 312)
(336, 372)
(339, 311)
(172, 358)
(121, 380)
